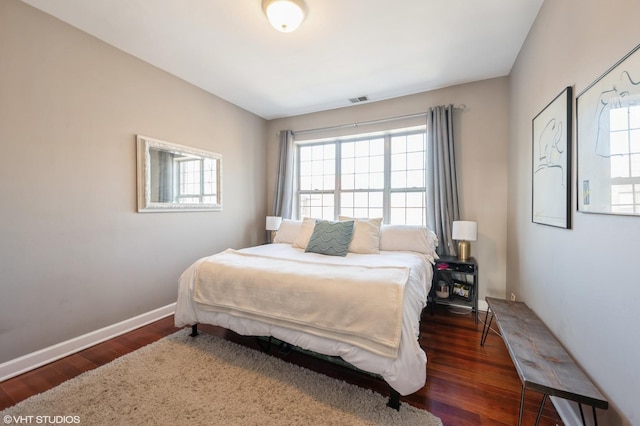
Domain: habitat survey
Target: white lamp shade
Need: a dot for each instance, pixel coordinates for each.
(273, 223)
(284, 15)
(464, 230)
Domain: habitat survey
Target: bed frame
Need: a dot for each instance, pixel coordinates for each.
(267, 342)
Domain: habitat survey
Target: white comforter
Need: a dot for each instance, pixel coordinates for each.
(406, 373)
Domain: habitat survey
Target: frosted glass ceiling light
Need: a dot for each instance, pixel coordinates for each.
(284, 15)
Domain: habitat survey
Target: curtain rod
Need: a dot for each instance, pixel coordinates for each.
(371, 122)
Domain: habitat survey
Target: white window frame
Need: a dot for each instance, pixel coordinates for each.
(337, 190)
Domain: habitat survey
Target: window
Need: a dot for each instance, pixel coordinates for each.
(196, 180)
(364, 176)
(624, 137)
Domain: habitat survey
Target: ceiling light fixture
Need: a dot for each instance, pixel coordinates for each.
(285, 15)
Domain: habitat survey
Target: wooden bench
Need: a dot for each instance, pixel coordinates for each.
(540, 360)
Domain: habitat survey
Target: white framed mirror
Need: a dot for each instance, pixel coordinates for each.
(174, 177)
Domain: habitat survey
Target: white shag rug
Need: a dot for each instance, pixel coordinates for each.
(180, 380)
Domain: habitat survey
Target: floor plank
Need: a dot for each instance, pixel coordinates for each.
(467, 384)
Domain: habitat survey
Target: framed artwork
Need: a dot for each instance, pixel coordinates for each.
(608, 140)
(551, 177)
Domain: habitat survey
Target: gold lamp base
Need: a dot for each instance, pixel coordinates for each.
(464, 250)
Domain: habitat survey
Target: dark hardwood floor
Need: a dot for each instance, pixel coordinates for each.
(466, 384)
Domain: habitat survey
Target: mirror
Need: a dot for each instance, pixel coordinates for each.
(174, 177)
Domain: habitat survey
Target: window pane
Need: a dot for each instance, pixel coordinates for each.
(376, 164)
(362, 164)
(305, 168)
(376, 181)
(415, 161)
(635, 166)
(376, 201)
(346, 200)
(398, 144)
(634, 117)
(329, 167)
(348, 165)
(348, 181)
(317, 168)
(415, 179)
(362, 149)
(415, 217)
(398, 179)
(618, 119)
(415, 199)
(375, 213)
(399, 162)
(619, 166)
(317, 152)
(397, 216)
(361, 199)
(634, 137)
(329, 182)
(348, 149)
(317, 182)
(305, 153)
(398, 199)
(619, 143)
(305, 183)
(362, 181)
(621, 194)
(416, 142)
(377, 147)
(329, 151)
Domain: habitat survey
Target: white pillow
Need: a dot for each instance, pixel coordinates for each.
(302, 240)
(366, 235)
(288, 231)
(408, 238)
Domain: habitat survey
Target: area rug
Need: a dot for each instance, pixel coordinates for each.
(180, 380)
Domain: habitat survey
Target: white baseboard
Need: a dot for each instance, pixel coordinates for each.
(482, 305)
(44, 356)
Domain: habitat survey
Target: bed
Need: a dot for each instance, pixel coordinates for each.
(369, 314)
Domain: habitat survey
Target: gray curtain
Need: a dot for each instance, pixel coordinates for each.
(442, 185)
(283, 194)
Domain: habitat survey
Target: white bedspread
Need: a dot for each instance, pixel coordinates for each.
(341, 302)
(406, 373)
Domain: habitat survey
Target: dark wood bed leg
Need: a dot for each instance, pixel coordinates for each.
(394, 399)
(194, 330)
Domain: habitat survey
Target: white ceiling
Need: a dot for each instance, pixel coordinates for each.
(344, 48)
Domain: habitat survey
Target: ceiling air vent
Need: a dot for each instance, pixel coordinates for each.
(359, 99)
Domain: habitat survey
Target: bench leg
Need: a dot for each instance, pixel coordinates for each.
(521, 407)
(486, 328)
(593, 409)
(544, 398)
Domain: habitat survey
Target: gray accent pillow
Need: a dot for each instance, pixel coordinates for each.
(331, 238)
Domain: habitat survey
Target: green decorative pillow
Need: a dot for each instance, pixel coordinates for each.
(331, 238)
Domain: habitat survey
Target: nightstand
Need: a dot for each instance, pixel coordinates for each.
(455, 283)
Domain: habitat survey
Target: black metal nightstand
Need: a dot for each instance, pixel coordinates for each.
(455, 283)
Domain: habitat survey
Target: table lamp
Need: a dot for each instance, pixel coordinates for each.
(273, 223)
(464, 231)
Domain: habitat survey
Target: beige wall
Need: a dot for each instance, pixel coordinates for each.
(481, 134)
(582, 282)
(74, 254)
